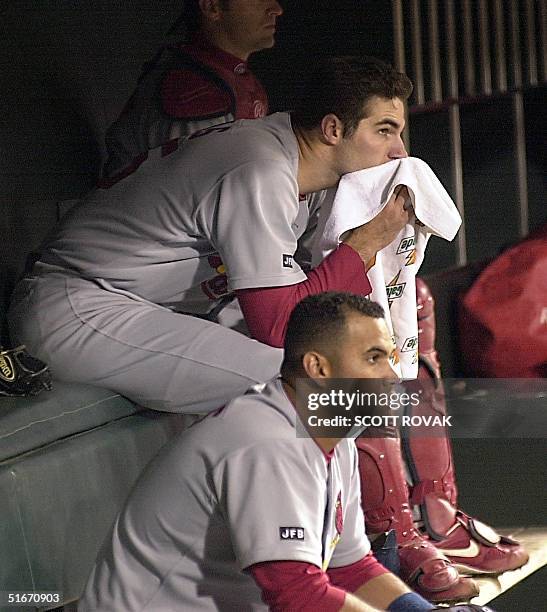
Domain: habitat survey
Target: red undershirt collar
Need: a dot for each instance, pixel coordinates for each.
(329, 455)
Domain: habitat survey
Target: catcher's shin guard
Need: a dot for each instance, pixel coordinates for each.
(472, 546)
(430, 459)
(386, 506)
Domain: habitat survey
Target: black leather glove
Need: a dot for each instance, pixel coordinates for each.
(21, 374)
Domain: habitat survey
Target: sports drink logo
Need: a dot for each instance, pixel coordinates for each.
(410, 344)
(406, 244)
(395, 289)
(410, 258)
(394, 358)
(371, 263)
(7, 371)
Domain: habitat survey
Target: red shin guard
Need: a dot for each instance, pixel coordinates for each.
(472, 546)
(386, 506)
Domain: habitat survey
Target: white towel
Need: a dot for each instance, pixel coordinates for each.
(359, 198)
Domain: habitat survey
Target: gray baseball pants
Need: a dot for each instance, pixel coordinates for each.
(155, 357)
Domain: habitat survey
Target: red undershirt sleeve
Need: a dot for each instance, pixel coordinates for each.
(296, 586)
(267, 309)
(351, 577)
(303, 587)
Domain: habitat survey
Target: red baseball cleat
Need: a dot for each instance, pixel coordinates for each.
(475, 548)
(431, 574)
(385, 505)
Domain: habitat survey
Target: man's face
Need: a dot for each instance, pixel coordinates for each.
(364, 350)
(250, 24)
(377, 138)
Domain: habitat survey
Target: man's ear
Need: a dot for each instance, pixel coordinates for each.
(316, 365)
(332, 129)
(210, 9)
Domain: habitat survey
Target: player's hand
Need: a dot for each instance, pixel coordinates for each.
(373, 236)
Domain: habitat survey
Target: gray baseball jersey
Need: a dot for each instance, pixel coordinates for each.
(159, 233)
(221, 212)
(229, 492)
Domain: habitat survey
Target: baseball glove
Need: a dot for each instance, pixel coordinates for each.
(21, 374)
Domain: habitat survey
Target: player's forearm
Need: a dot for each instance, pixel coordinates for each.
(267, 309)
(353, 577)
(387, 592)
(354, 604)
(296, 586)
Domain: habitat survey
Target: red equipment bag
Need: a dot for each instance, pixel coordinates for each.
(503, 316)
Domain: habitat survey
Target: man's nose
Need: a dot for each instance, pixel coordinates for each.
(275, 8)
(398, 150)
(389, 374)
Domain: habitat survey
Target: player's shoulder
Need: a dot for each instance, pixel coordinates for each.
(264, 417)
(256, 143)
(267, 140)
(269, 430)
(265, 412)
(275, 128)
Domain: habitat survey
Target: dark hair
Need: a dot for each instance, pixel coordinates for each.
(343, 86)
(317, 320)
(191, 15)
(189, 21)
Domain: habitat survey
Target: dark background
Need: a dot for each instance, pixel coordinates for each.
(68, 67)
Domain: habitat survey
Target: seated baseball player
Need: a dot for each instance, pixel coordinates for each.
(240, 513)
(196, 84)
(111, 297)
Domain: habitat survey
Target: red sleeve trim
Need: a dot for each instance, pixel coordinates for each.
(296, 586)
(351, 577)
(267, 309)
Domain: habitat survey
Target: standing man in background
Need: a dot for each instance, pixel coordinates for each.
(194, 85)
